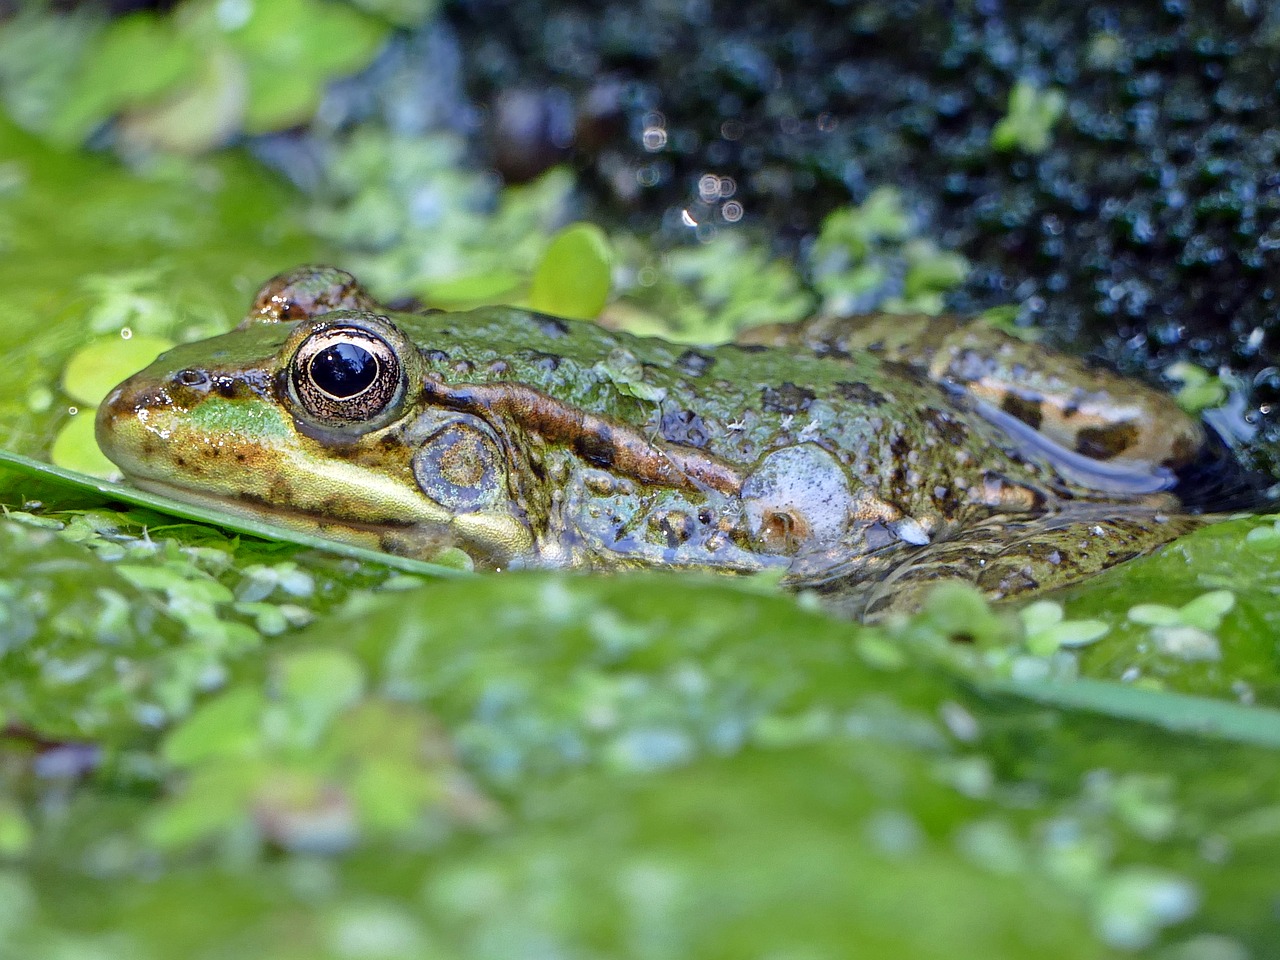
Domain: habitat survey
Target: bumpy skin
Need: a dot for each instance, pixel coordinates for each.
(530, 440)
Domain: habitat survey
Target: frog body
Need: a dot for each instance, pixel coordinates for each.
(528, 440)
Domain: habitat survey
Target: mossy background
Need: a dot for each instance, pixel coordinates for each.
(217, 743)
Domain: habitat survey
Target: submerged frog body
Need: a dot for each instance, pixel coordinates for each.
(864, 458)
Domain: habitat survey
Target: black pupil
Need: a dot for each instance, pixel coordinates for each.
(344, 370)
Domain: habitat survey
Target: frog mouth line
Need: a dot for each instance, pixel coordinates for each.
(277, 515)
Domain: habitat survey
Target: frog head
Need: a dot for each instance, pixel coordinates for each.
(322, 424)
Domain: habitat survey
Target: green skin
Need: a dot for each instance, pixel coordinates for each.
(866, 474)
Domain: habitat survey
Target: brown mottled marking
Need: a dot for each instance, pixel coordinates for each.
(999, 491)
(783, 531)
(1106, 442)
(598, 446)
(1184, 450)
(1026, 409)
(951, 430)
(622, 448)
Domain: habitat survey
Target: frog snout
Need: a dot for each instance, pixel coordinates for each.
(131, 398)
(127, 408)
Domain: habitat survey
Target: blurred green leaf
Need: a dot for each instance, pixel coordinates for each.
(228, 726)
(135, 60)
(404, 13)
(75, 448)
(573, 277)
(865, 258)
(1029, 123)
(98, 366)
(291, 48)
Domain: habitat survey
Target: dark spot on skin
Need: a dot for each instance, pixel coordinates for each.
(598, 448)
(435, 356)
(1018, 581)
(752, 347)
(951, 430)
(787, 398)
(860, 394)
(676, 528)
(685, 427)
(999, 491)
(546, 362)
(831, 351)
(1022, 408)
(552, 327)
(1047, 552)
(694, 364)
(782, 531)
(1103, 443)
(946, 500)
(180, 461)
(241, 458)
(225, 387)
(899, 447)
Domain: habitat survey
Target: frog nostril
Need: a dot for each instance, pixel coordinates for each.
(191, 378)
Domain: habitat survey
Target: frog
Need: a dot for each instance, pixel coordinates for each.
(863, 459)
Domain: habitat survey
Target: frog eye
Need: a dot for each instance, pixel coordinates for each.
(346, 375)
